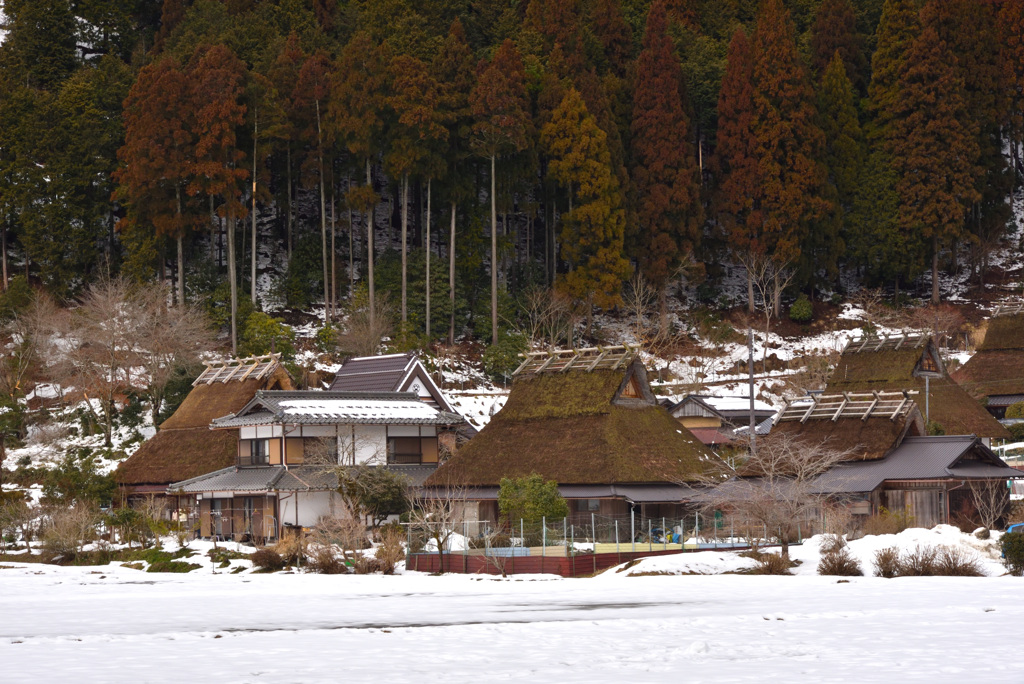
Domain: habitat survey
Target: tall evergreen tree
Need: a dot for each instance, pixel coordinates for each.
(934, 154)
(664, 169)
(500, 106)
(789, 146)
(835, 30)
(844, 144)
(614, 33)
(1011, 19)
(735, 162)
(898, 27)
(39, 48)
(593, 231)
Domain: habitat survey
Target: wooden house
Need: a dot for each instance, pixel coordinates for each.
(891, 462)
(995, 374)
(912, 362)
(588, 420)
(286, 448)
(714, 420)
(184, 447)
(390, 373)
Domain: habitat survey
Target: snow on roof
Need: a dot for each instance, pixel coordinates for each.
(358, 408)
(329, 408)
(736, 404)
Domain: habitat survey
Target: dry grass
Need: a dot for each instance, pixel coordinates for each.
(268, 559)
(832, 543)
(921, 562)
(955, 561)
(771, 564)
(839, 563)
(887, 562)
(889, 522)
(391, 549)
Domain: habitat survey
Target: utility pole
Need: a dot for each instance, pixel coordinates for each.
(750, 373)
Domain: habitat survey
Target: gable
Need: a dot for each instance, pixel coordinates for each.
(418, 381)
(634, 390)
(929, 364)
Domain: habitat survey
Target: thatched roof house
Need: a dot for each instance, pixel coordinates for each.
(588, 420)
(185, 447)
(995, 374)
(910, 362)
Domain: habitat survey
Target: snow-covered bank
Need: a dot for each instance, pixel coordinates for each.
(112, 624)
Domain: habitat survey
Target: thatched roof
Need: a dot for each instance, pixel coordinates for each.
(580, 427)
(870, 425)
(185, 447)
(998, 367)
(894, 370)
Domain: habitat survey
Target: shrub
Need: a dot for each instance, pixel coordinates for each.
(291, 549)
(839, 562)
(268, 559)
(771, 564)
(530, 499)
(955, 561)
(921, 562)
(801, 311)
(263, 334)
(499, 360)
(1012, 544)
(324, 560)
(1016, 431)
(889, 522)
(390, 551)
(67, 530)
(1015, 410)
(887, 562)
(832, 543)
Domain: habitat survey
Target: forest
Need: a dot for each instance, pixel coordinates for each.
(435, 164)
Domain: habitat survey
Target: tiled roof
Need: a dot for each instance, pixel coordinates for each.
(282, 479)
(333, 408)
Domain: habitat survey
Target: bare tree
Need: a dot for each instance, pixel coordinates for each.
(778, 487)
(768, 278)
(991, 499)
(367, 324)
(172, 338)
(438, 513)
(66, 530)
(548, 316)
(343, 530)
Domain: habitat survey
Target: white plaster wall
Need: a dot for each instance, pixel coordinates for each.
(305, 508)
(370, 443)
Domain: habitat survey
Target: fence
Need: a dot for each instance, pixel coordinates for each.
(581, 543)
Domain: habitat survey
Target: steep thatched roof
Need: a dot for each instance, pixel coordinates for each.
(905, 368)
(579, 427)
(868, 439)
(185, 447)
(998, 367)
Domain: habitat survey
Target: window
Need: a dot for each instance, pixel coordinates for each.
(588, 505)
(260, 451)
(404, 450)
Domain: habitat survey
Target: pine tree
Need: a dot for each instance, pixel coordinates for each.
(735, 163)
(898, 27)
(283, 74)
(614, 33)
(157, 160)
(789, 146)
(684, 12)
(933, 154)
(835, 30)
(664, 170)
(501, 108)
(416, 137)
(1011, 19)
(217, 86)
(558, 22)
(356, 116)
(593, 231)
(844, 144)
(39, 48)
(453, 67)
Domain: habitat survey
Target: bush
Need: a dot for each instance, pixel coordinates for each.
(832, 543)
(935, 429)
(955, 561)
(771, 564)
(530, 499)
(291, 549)
(921, 562)
(1012, 544)
(887, 562)
(67, 530)
(1015, 410)
(172, 566)
(268, 559)
(263, 334)
(1016, 431)
(839, 562)
(889, 522)
(323, 560)
(391, 551)
(801, 311)
(501, 359)
(16, 299)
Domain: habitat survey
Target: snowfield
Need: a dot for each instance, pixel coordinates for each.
(115, 624)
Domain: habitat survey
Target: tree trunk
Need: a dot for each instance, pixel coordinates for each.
(181, 249)
(369, 249)
(351, 245)
(451, 280)
(494, 259)
(255, 217)
(750, 292)
(334, 254)
(405, 235)
(233, 279)
(935, 270)
(426, 241)
(289, 163)
(3, 249)
(663, 310)
(323, 212)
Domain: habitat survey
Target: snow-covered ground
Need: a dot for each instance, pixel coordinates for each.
(116, 624)
(120, 625)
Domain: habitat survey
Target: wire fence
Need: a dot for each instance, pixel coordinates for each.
(598, 534)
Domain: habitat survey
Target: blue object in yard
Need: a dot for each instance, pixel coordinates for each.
(508, 552)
